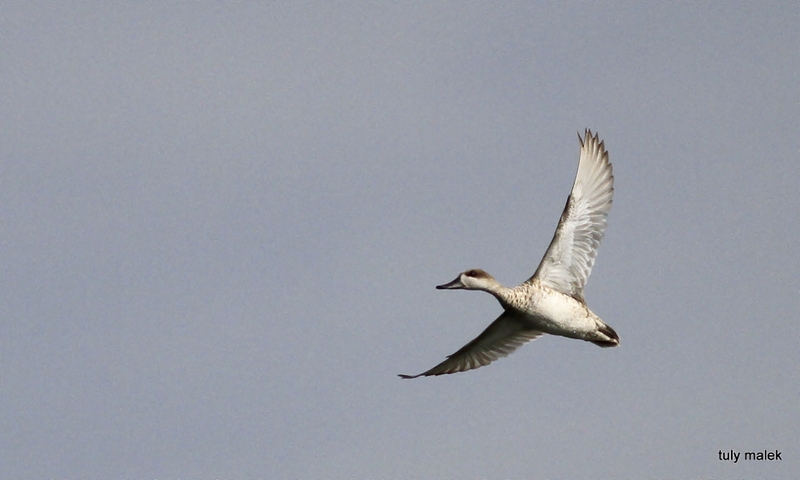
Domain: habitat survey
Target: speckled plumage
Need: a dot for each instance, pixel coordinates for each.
(551, 301)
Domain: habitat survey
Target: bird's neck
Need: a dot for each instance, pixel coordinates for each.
(504, 295)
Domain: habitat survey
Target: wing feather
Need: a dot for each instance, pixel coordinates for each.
(570, 257)
(506, 334)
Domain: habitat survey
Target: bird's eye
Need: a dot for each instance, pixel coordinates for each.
(472, 273)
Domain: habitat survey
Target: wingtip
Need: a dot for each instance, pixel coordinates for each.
(587, 134)
(406, 377)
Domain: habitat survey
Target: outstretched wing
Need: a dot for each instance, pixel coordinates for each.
(569, 259)
(500, 339)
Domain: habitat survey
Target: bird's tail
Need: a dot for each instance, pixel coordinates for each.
(606, 336)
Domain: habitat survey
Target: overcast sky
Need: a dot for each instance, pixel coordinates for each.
(221, 226)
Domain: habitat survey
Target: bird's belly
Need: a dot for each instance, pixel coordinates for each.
(563, 316)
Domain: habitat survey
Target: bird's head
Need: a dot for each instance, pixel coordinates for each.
(475, 279)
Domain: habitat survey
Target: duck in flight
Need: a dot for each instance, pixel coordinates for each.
(551, 301)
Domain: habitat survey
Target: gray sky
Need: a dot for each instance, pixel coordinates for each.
(221, 226)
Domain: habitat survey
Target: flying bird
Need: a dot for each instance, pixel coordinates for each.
(551, 301)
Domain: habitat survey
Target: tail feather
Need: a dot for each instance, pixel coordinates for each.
(607, 337)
